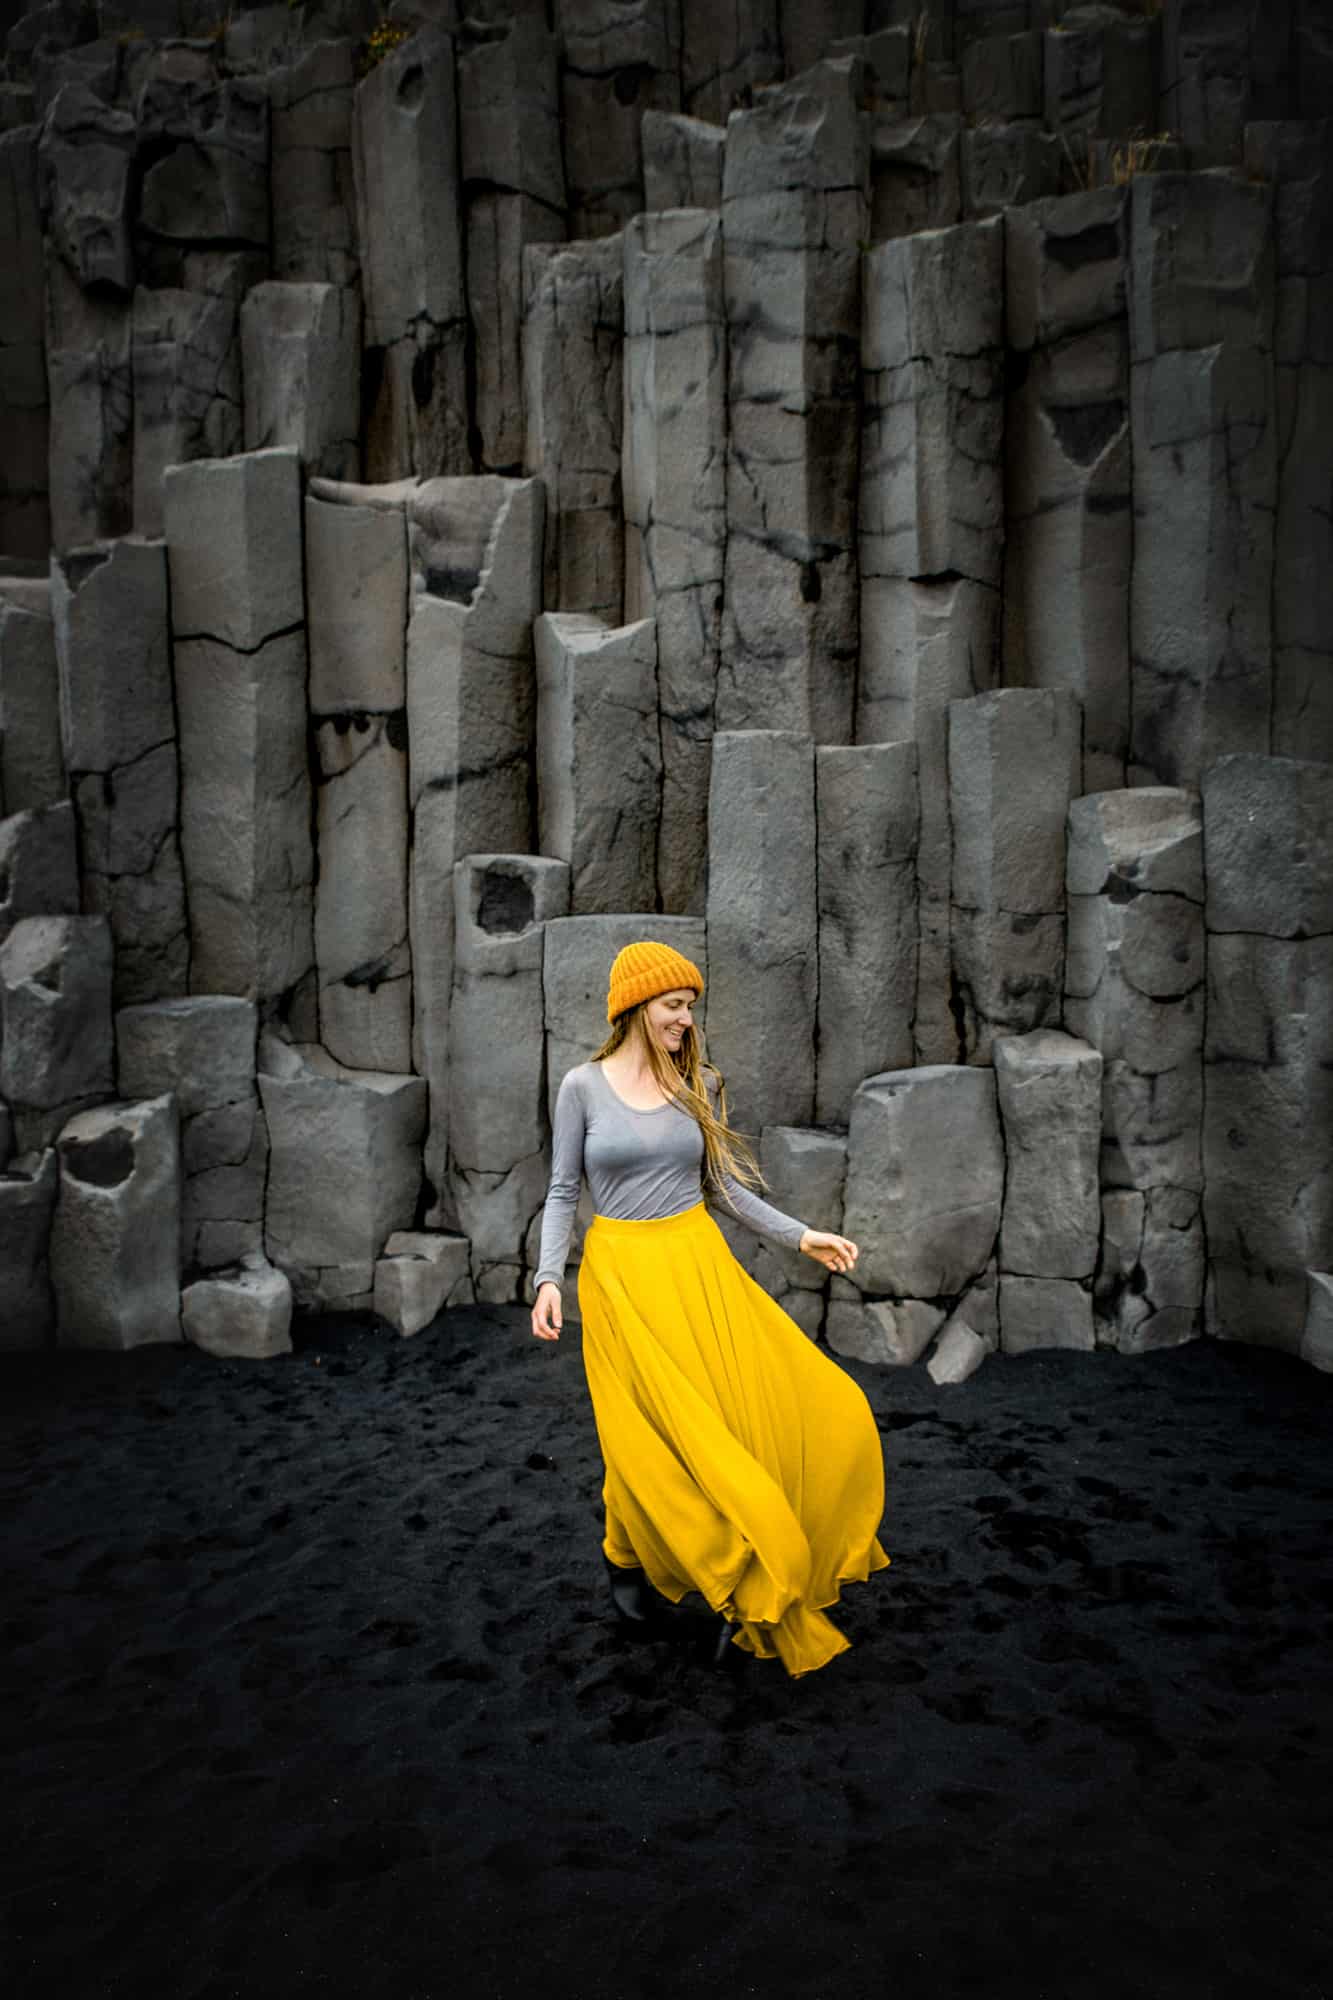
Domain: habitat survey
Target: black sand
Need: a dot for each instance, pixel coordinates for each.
(312, 1689)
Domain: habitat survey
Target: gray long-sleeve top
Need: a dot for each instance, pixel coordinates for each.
(640, 1165)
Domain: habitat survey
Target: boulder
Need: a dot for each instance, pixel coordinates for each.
(892, 1332)
(55, 1010)
(241, 1315)
(925, 1180)
(421, 1273)
(1049, 1087)
(958, 1353)
(27, 1202)
(115, 1240)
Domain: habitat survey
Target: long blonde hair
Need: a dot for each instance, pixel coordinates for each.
(682, 1078)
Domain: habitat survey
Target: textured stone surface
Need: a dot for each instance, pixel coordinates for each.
(1044, 1312)
(794, 216)
(91, 386)
(958, 1353)
(356, 603)
(762, 918)
(914, 174)
(806, 1171)
(496, 1106)
(55, 1012)
(420, 1273)
(361, 922)
(186, 359)
(725, 51)
(115, 1250)
(313, 194)
(621, 58)
(246, 1316)
(867, 817)
(207, 142)
(406, 166)
(1007, 166)
(1150, 1276)
(39, 867)
(572, 340)
(32, 764)
(87, 163)
(301, 351)
(27, 1202)
(674, 482)
(1100, 76)
(682, 162)
(25, 514)
(345, 1169)
(1268, 846)
(1049, 1087)
(895, 1332)
(233, 530)
(925, 1180)
(1013, 767)
(599, 765)
(1317, 1336)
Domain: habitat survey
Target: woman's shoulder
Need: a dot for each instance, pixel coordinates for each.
(576, 1080)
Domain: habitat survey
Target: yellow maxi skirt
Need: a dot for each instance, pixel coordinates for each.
(740, 1461)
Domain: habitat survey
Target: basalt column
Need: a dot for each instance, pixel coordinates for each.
(25, 513)
(795, 213)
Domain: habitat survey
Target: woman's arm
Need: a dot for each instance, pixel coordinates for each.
(562, 1189)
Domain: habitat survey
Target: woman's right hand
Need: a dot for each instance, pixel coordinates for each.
(546, 1321)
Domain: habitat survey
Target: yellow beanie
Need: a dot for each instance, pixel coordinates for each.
(643, 970)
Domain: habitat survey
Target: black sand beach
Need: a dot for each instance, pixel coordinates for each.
(311, 1688)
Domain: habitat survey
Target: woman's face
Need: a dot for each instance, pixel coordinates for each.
(669, 1016)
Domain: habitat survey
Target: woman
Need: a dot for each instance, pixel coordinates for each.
(740, 1461)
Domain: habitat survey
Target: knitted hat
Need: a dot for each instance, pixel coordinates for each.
(643, 970)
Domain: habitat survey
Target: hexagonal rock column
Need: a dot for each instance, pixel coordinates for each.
(577, 956)
(301, 358)
(514, 178)
(420, 1274)
(725, 51)
(1013, 767)
(794, 214)
(1209, 57)
(55, 1012)
(1134, 990)
(32, 763)
(312, 190)
(202, 1050)
(599, 763)
(573, 339)
(115, 1240)
(186, 357)
(1268, 1079)
(39, 866)
(246, 1314)
(1049, 1087)
(1295, 157)
(931, 530)
(471, 703)
(113, 646)
(682, 162)
(915, 176)
(867, 815)
(1205, 472)
(356, 606)
(806, 1172)
(674, 467)
(345, 1169)
(497, 1109)
(925, 1181)
(1100, 79)
(405, 162)
(620, 60)
(25, 416)
(234, 545)
(1068, 525)
(27, 1202)
(763, 925)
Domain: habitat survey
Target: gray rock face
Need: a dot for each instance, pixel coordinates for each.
(356, 603)
(87, 159)
(496, 1107)
(245, 1316)
(115, 1240)
(470, 709)
(208, 143)
(27, 1202)
(202, 1051)
(186, 359)
(599, 766)
(91, 388)
(1068, 521)
(1208, 60)
(762, 918)
(621, 58)
(1317, 1339)
(1044, 1312)
(234, 545)
(345, 1169)
(915, 183)
(119, 726)
(32, 764)
(892, 1332)
(313, 192)
(1049, 1087)
(55, 1012)
(39, 869)
(806, 1172)
(927, 643)
(867, 817)
(1013, 767)
(1151, 1275)
(925, 1180)
(682, 162)
(1002, 77)
(25, 515)
(1205, 472)
(1268, 1118)
(1007, 166)
(794, 213)
(1100, 76)
(301, 348)
(419, 1275)
(674, 482)
(405, 164)
(724, 51)
(573, 317)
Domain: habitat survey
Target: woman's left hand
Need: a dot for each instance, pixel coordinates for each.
(836, 1253)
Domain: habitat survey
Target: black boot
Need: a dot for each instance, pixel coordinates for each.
(631, 1594)
(724, 1653)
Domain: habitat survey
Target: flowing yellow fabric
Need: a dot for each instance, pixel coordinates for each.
(740, 1461)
